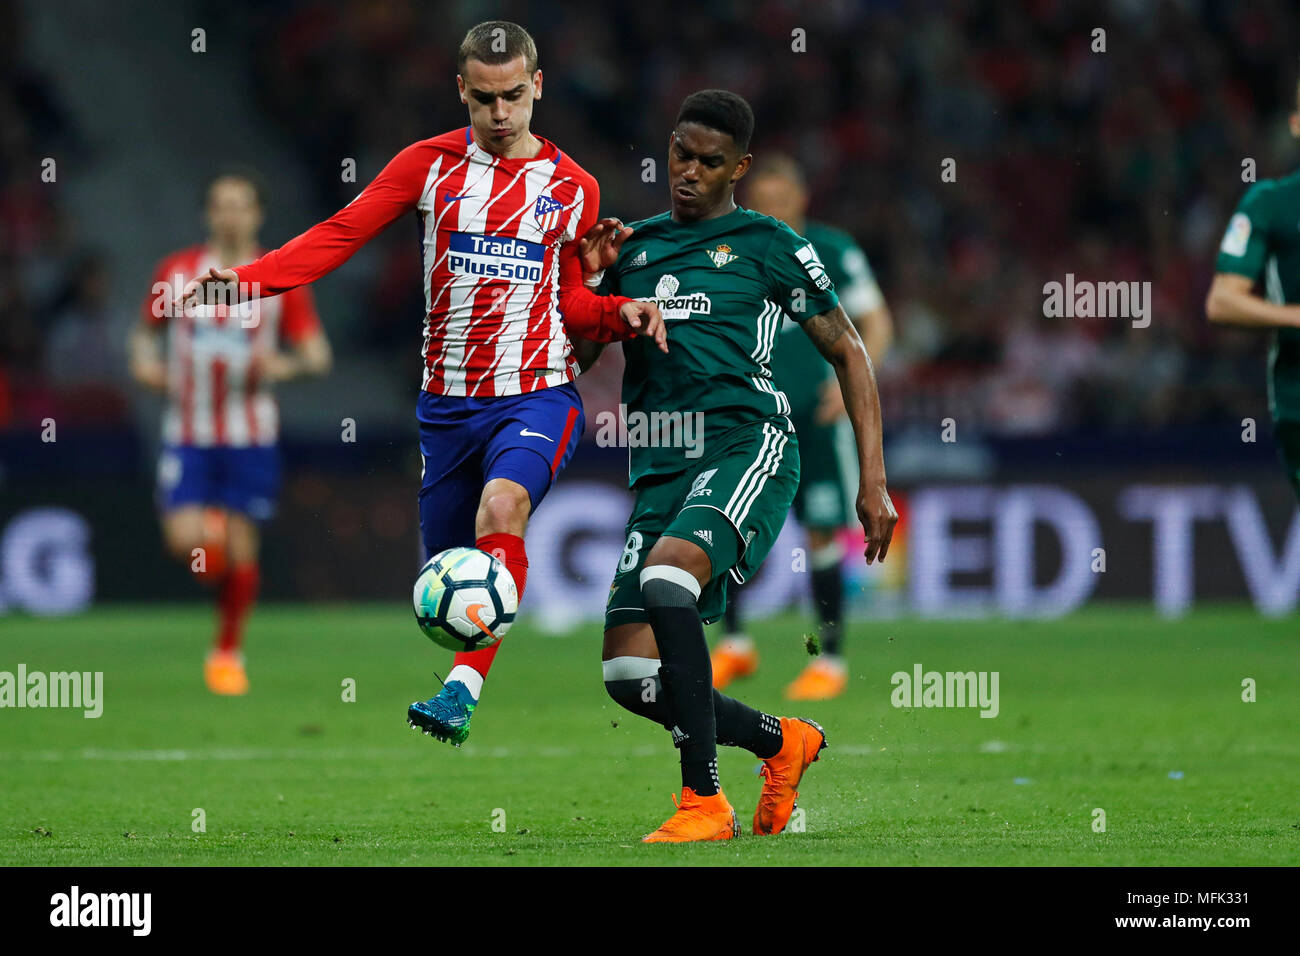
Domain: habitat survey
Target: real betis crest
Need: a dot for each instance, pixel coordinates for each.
(720, 256)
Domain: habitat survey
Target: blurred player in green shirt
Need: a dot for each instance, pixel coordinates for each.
(1262, 246)
(828, 476)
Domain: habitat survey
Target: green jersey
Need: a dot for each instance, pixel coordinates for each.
(724, 286)
(799, 368)
(1263, 242)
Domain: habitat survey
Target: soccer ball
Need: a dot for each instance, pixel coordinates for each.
(465, 599)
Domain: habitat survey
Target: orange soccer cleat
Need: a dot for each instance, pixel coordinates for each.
(804, 741)
(223, 672)
(823, 679)
(733, 657)
(697, 818)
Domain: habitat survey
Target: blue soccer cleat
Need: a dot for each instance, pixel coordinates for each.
(445, 716)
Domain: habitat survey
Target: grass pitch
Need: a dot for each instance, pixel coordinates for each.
(1112, 709)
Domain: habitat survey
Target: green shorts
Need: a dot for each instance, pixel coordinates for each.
(829, 480)
(732, 502)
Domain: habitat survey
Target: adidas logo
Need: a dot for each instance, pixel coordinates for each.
(705, 535)
(638, 261)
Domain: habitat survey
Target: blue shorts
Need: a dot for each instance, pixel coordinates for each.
(466, 442)
(246, 480)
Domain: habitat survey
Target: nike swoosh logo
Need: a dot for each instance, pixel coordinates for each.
(449, 198)
(527, 434)
(472, 611)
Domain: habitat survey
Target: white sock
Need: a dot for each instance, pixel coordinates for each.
(471, 678)
(737, 643)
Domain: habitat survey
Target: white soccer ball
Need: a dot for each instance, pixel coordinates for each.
(465, 599)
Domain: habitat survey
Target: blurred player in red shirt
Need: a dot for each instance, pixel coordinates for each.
(219, 472)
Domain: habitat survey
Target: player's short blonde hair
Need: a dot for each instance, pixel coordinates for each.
(495, 42)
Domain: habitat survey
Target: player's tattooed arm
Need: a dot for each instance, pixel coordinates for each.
(839, 343)
(876, 326)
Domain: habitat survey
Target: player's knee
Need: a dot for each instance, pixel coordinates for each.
(666, 585)
(242, 541)
(685, 556)
(181, 543)
(633, 683)
(634, 639)
(504, 511)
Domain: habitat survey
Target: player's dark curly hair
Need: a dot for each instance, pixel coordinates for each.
(721, 110)
(496, 42)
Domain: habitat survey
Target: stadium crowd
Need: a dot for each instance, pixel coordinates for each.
(1114, 164)
(57, 355)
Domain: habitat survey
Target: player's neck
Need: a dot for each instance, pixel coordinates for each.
(526, 147)
(723, 208)
(233, 255)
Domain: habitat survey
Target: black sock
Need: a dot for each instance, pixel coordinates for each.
(731, 616)
(737, 724)
(685, 673)
(828, 595)
(648, 702)
(740, 725)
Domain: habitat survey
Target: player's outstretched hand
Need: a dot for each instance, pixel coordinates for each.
(878, 517)
(646, 319)
(599, 247)
(192, 293)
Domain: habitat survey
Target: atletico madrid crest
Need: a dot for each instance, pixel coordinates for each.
(720, 256)
(547, 213)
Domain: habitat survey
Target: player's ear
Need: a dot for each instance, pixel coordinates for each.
(1295, 125)
(537, 85)
(742, 167)
(460, 86)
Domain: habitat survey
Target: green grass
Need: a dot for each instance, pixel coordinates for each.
(1097, 710)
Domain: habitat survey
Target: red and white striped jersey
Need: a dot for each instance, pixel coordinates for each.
(215, 395)
(502, 276)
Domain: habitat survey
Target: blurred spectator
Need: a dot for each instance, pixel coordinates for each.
(35, 242)
(1118, 165)
(84, 346)
(1122, 165)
